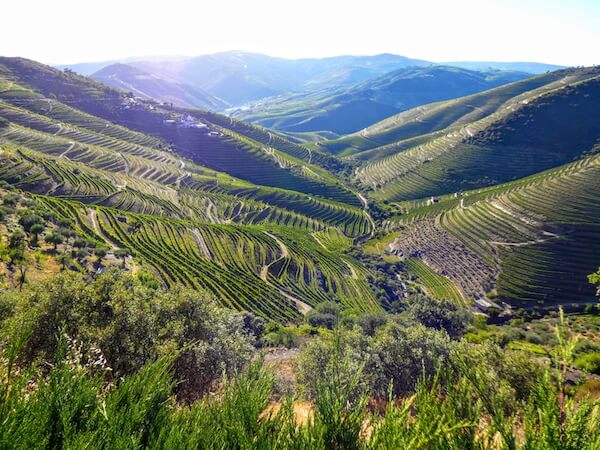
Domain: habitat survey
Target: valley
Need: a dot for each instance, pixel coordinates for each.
(466, 200)
(318, 225)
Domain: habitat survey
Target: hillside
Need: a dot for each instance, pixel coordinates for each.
(346, 110)
(277, 228)
(524, 136)
(530, 243)
(438, 116)
(145, 85)
(252, 246)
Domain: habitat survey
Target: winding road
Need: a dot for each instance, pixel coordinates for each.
(302, 307)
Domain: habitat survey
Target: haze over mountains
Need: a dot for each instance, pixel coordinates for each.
(328, 96)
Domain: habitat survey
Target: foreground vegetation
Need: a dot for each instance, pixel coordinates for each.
(118, 362)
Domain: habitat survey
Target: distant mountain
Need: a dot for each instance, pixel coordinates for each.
(87, 68)
(239, 77)
(147, 85)
(90, 67)
(529, 67)
(349, 109)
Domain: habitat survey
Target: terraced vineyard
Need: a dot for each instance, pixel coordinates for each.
(434, 117)
(224, 145)
(274, 273)
(535, 240)
(250, 245)
(436, 285)
(508, 144)
(266, 225)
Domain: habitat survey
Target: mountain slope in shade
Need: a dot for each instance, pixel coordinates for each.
(350, 109)
(147, 85)
(423, 122)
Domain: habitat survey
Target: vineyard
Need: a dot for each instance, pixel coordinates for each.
(272, 272)
(524, 237)
(427, 119)
(472, 198)
(484, 152)
(252, 245)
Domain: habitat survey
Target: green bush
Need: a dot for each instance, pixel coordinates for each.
(441, 315)
(589, 362)
(133, 324)
(404, 355)
(324, 315)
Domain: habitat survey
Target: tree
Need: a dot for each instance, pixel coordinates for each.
(441, 315)
(36, 230)
(54, 238)
(16, 239)
(17, 253)
(29, 220)
(595, 279)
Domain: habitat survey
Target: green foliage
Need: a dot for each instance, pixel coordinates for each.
(54, 238)
(401, 356)
(397, 355)
(595, 279)
(589, 362)
(326, 314)
(133, 323)
(30, 219)
(441, 315)
(323, 357)
(72, 406)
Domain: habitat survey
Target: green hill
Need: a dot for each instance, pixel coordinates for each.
(530, 243)
(349, 109)
(461, 111)
(254, 247)
(522, 137)
(274, 227)
(238, 154)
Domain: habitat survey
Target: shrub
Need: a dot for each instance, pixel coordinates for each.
(322, 358)
(133, 324)
(589, 362)
(402, 356)
(282, 337)
(324, 315)
(369, 323)
(10, 200)
(441, 315)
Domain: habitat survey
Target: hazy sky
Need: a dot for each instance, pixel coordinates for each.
(67, 31)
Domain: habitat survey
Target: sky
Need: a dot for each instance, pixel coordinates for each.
(565, 32)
